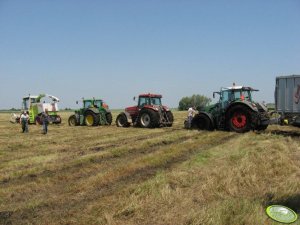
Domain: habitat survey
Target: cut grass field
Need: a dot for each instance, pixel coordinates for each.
(111, 175)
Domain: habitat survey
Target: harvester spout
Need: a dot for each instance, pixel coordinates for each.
(55, 99)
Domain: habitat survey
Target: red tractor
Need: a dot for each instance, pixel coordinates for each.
(149, 113)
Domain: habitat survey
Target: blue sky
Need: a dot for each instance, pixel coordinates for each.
(118, 49)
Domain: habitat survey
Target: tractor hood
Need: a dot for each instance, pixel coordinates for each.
(154, 107)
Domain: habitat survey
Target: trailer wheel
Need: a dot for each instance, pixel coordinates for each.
(239, 119)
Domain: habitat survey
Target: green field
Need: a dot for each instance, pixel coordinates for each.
(110, 175)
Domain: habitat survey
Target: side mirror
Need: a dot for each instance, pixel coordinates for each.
(77, 102)
(214, 95)
(134, 98)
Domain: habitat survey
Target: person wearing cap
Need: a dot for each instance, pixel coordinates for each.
(191, 113)
(45, 121)
(24, 121)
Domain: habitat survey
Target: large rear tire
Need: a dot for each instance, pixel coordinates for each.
(122, 121)
(109, 118)
(91, 119)
(201, 122)
(239, 119)
(170, 118)
(148, 118)
(72, 121)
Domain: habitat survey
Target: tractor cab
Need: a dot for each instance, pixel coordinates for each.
(234, 94)
(95, 103)
(94, 112)
(149, 99)
(27, 101)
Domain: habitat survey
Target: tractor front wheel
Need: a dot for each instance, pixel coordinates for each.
(148, 118)
(239, 119)
(202, 122)
(122, 121)
(91, 119)
(72, 121)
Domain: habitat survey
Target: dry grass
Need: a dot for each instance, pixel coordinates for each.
(110, 175)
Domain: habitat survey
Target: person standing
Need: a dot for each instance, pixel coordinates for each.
(24, 122)
(191, 113)
(45, 121)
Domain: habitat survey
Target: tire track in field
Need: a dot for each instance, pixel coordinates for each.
(100, 158)
(107, 188)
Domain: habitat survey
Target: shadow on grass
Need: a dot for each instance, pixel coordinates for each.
(292, 202)
(293, 134)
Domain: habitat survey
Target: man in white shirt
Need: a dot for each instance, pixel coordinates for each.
(24, 121)
(191, 113)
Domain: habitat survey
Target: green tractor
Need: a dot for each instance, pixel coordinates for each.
(235, 111)
(94, 112)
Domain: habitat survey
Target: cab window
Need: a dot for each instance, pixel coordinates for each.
(155, 101)
(87, 104)
(143, 101)
(98, 103)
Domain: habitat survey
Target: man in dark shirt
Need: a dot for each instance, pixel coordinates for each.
(45, 120)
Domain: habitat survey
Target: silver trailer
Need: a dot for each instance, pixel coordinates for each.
(287, 99)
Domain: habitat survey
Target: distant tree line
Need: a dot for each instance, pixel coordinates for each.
(199, 101)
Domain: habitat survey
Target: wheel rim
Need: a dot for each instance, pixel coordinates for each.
(121, 121)
(239, 120)
(89, 120)
(145, 120)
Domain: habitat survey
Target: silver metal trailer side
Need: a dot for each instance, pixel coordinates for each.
(287, 99)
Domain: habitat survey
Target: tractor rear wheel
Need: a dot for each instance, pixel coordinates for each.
(148, 118)
(239, 119)
(201, 122)
(108, 118)
(170, 118)
(72, 121)
(122, 121)
(91, 118)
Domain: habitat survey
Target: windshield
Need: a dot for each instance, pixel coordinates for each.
(98, 103)
(156, 101)
(149, 101)
(87, 103)
(230, 95)
(26, 103)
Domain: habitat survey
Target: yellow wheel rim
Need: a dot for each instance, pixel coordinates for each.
(89, 120)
